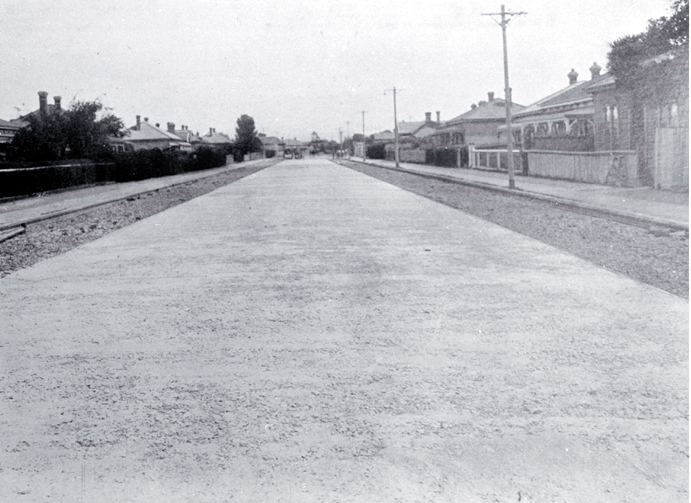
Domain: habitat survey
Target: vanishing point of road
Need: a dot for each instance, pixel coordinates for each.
(311, 334)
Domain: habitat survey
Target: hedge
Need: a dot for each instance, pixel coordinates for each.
(24, 178)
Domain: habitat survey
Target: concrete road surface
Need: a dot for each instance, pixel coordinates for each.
(310, 334)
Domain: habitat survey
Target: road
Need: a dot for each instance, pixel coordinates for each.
(311, 334)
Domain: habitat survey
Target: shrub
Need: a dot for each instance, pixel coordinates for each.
(376, 152)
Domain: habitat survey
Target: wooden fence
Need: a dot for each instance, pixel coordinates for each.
(618, 168)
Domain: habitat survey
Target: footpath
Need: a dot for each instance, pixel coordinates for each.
(656, 207)
(18, 212)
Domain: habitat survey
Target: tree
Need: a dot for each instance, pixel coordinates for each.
(246, 139)
(666, 41)
(76, 133)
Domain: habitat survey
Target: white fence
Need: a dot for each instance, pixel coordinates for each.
(496, 159)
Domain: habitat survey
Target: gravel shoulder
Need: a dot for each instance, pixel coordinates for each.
(653, 255)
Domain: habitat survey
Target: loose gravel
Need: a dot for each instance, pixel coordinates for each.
(654, 255)
(52, 237)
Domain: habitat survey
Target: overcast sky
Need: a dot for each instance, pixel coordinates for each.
(298, 66)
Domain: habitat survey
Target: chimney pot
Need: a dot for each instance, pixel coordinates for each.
(43, 101)
(146, 119)
(58, 105)
(428, 116)
(158, 124)
(595, 70)
(573, 76)
(438, 116)
(473, 106)
(139, 122)
(490, 96)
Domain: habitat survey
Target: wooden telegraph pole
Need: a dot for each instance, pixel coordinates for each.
(395, 120)
(505, 18)
(364, 143)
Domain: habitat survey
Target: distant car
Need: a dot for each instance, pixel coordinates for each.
(288, 154)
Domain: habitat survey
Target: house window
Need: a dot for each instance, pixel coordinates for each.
(558, 128)
(528, 135)
(457, 139)
(669, 115)
(612, 121)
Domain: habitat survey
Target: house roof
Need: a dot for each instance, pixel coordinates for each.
(410, 127)
(187, 135)
(489, 110)
(573, 94)
(607, 82)
(215, 138)
(149, 132)
(271, 140)
(9, 125)
(425, 131)
(384, 135)
(293, 143)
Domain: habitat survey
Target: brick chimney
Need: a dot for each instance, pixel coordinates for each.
(58, 105)
(171, 127)
(595, 70)
(211, 131)
(438, 116)
(428, 116)
(43, 101)
(490, 96)
(139, 122)
(573, 76)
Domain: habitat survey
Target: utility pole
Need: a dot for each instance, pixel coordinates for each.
(505, 18)
(364, 144)
(348, 136)
(395, 129)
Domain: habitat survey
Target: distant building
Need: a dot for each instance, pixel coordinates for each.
(562, 121)
(7, 131)
(144, 135)
(185, 135)
(9, 128)
(215, 140)
(272, 146)
(295, 147)
(478, 126)
(43, 108)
